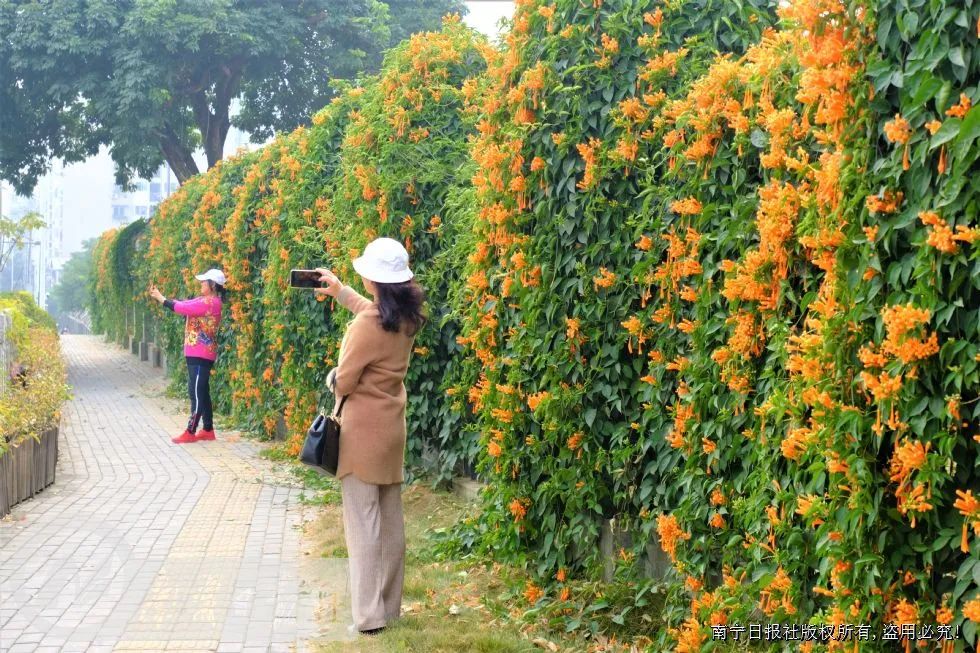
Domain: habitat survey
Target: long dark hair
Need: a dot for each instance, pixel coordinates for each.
(400, 303)
(218, 289)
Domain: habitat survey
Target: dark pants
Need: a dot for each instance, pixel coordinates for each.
(199, 389)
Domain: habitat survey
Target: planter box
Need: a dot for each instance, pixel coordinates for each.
(156, 356)
(144, 351)
(467, 488)
(27, 469)
(655, 563)
(611, 539)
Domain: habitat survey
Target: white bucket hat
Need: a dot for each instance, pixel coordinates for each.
(214, 275)
(384, 260)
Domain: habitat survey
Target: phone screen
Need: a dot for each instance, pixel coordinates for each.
(304, 279)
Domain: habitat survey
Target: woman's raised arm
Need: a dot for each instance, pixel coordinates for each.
(196, 307)
(347, 296)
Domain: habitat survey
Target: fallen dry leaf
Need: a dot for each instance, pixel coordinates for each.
(543, 643)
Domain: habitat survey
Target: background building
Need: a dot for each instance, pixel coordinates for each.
(143, 199)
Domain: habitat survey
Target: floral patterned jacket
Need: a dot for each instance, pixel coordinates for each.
(201, 331)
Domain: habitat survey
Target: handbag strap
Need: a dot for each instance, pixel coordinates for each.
(337, 405)
(321, 403)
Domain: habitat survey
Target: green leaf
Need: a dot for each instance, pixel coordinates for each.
(926, 88)
(589, 416)
(946, 133)
(962, 582)
(968, 133)
(942, 97)
(911, 23)
(956, 56)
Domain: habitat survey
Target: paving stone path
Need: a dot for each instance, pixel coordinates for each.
(144, 545)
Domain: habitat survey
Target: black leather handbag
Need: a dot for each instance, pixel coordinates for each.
(322, 446)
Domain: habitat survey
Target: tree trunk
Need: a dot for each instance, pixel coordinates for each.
(214, 125)
(178, 157)
(214, 143)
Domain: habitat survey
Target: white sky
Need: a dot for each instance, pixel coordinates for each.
(484, 15)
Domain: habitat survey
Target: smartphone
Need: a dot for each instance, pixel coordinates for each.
(305, 279)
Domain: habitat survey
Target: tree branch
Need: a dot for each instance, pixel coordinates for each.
(178, 156)
(202, 113)
(219, 121)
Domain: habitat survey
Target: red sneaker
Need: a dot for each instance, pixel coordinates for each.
(184, 438)
(204, 434)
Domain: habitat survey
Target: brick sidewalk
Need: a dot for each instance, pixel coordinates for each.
(145, 545)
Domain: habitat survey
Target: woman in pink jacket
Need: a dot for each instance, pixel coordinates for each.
(200, 349)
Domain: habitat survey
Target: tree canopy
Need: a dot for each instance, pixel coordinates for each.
(71, 294)
(15, 233)
(155, 79)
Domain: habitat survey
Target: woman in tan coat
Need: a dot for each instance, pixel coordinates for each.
(374, 356)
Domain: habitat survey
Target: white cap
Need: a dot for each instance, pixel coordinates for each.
(385, 260)
(214, 275)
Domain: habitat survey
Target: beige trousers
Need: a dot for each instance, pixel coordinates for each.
(375, 531)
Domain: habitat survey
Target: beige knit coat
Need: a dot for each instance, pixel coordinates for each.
(371, 374)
